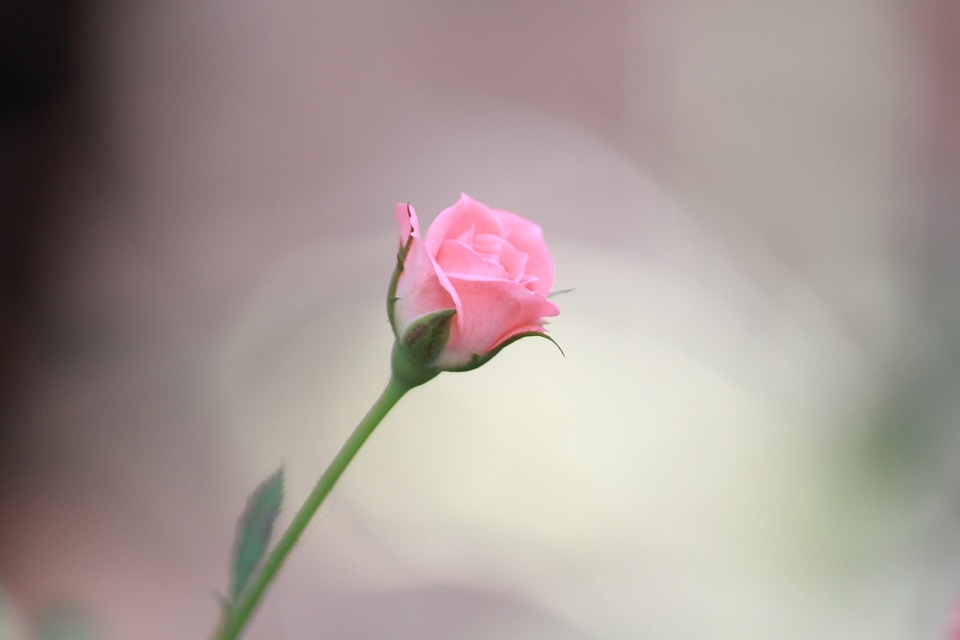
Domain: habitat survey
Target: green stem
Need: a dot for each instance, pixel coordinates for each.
(238, 615)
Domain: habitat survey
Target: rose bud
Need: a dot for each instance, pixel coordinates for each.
(478, 281)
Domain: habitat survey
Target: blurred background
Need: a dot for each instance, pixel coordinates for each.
(753, 432)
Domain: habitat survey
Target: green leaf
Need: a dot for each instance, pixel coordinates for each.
(254, 530)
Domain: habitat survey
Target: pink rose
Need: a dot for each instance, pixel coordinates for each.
(478, 281)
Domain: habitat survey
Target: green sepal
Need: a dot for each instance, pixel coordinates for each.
(254, 530)
(478, 360)
(427, 336)
(406, 371)
(422, 343)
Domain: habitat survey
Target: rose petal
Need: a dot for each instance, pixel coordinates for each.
(408, 223)
(527, 238)
(470, 218)
(458, 258)
(491, 311)
(462, 220)
(514, 262)
(422, 287)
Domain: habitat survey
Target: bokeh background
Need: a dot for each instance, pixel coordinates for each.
(753, 432)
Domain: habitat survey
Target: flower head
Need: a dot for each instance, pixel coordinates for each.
(478, 281)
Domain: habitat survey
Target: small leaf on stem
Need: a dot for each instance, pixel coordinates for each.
(254, 530)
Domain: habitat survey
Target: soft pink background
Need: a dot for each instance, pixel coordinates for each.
(752, 434)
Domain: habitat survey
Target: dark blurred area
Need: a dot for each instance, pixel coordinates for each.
(41, 137)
